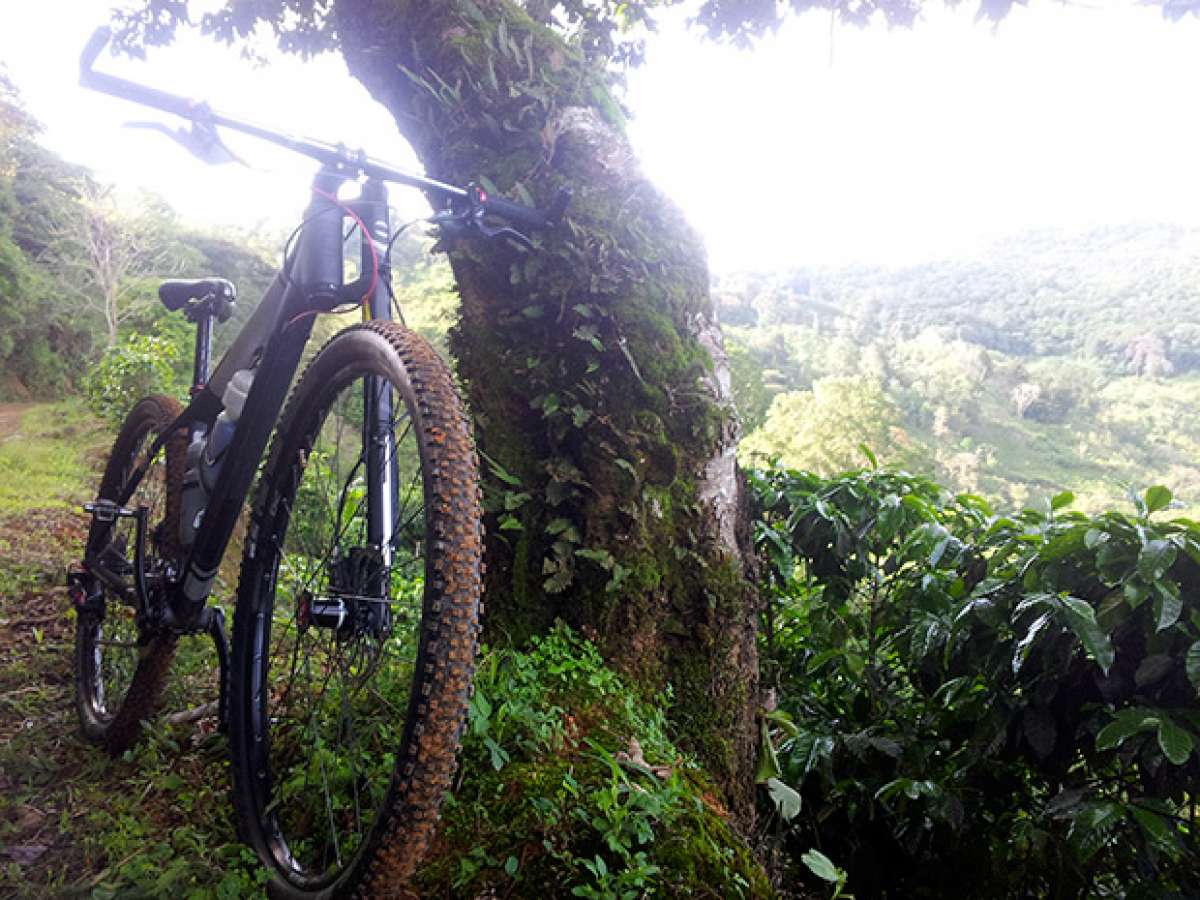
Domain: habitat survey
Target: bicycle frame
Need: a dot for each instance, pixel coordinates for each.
(272, 342)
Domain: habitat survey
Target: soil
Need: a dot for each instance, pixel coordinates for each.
(10, 418)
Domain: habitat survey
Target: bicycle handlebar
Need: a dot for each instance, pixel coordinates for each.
(338, 156)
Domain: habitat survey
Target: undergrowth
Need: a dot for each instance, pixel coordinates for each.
(572, 787)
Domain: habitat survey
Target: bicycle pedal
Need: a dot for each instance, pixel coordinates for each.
(106, 511)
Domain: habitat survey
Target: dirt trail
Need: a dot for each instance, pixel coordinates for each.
(10, 418)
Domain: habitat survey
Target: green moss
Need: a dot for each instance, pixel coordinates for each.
(553, 781)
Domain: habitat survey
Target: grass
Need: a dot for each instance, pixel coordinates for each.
(48, 462)
(570, 812)
(73, 821)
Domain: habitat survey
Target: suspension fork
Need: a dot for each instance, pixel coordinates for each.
(383, 489)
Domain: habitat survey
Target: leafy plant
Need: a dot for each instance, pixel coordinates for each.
(972, 698)
(141, 364)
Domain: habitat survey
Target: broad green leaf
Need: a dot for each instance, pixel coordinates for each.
(768, 760)
(1135, 591)
(786, 800)
(1091, 827)
(1157, 497)
(1155, 558)
(1082, 620)
(1176, 744)
(1160, 833)
(1191, 664)
(821, 658)
(1025, 645)
(821, 866)
(1059, 501)
(1168, 605)
(1127, 723)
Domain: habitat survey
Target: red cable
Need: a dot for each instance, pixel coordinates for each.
(370, 243)
(366, 237)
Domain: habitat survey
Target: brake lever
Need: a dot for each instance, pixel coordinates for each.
(470, 224)
(507, 232)
(201, 140)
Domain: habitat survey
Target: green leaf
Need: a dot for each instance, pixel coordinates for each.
(1191, 665)
(510, 866)
(1136, 591)
(1127, 723)
(1156, 828)
(1059, 501)
(1090, 828)
(1082, 620)
(866, 451)
(499, 756)
(821, 866)
(1021, 651)
(601, 557)
(768, 759)
(786, 800)
(500, 472)
(1168, 605)
(1155, 558)
(1157, 497)
(515, 500)
(1176, 744)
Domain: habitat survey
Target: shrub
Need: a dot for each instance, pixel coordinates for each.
(973, 704)
(140, 364)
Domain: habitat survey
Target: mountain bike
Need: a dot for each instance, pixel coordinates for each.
(357, 613)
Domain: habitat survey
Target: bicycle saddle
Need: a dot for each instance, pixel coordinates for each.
(199, 296)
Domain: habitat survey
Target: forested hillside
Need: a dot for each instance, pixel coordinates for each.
(1047, 361)
(1050, 360)
(80, 262)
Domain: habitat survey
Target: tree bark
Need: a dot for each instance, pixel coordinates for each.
(594, 367)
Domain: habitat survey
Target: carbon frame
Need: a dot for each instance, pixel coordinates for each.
(272, 342)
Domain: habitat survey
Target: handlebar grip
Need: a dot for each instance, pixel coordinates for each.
(120, 87)
(528, 216)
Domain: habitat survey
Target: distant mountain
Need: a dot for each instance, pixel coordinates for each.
(1053, 360)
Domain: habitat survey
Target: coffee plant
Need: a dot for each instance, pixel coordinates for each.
(977, 704)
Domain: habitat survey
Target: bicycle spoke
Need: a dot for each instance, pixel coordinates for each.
(334, 714)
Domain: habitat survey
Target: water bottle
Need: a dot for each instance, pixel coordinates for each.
(233, 400)
(205, 453)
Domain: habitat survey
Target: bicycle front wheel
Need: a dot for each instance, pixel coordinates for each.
(357, 621)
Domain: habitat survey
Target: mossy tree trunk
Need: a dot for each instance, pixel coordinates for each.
(594, 366)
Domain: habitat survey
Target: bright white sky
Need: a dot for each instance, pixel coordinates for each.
(820, 146)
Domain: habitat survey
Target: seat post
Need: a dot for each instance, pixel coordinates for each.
(203, 355)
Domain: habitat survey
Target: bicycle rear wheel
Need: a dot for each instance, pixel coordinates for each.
(120, 669)
(352, 661)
